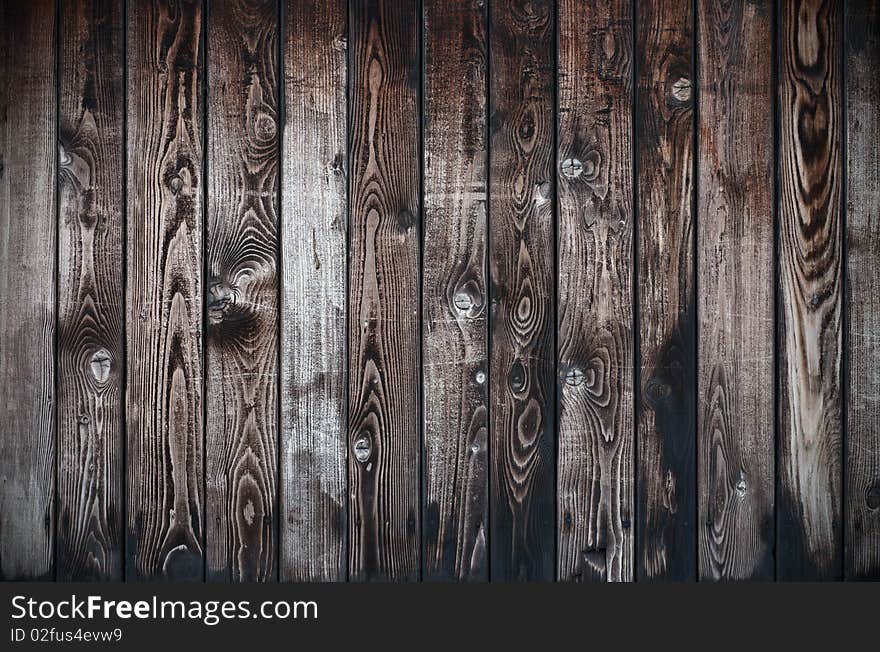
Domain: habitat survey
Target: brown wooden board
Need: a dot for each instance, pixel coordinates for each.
(454, 308)
(735, 274)
(91, 350)
(862, 508)
(666, 405)
(313, 300)
(384, 518)
(164, 310)
(810, 290)
(595, 176)
(522, 386)
(241, 345)
(28, 157)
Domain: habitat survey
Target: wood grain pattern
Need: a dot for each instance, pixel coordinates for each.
(384, 286)
(521, 262)
(810, 290)
(594, 172)
(28, 146)
(241, 347)
(90, 290)
(454, 358)
(666, 410)
(313, 299)
(862, 509)
(735, 242)
(164, 292)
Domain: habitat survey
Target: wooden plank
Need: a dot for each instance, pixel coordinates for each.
(735, 268)
(164, 292)
(862, 560)
(384, 284)
(454, 351)
(666, 408)
(810, 290)
(27, 284)
(90, 289)
(521, 268)
(313, 248)
(241, 346)
(594, 170)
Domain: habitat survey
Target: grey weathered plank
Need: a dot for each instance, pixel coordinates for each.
(28, 152)
(735, 271)
(454, 304)
(862, 509)
(241, 346)
(666, 410)
(811, 185)
(90, 289)
(164, 418)
(384, 285)
(521, 266)
(313, 299)
(595, 178)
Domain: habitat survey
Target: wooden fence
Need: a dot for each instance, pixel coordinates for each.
(451, 289)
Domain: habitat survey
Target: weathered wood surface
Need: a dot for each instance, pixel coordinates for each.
(735, 273)
(862, 509)
(313, 299)
(28, 158)
(384, 520)
(666, 304)
(522, 310)
(594, 172)
(455, 299)
(164, 309)
(91, 351)
(809, 544)
(241, 343)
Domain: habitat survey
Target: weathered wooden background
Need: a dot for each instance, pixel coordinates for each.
(440, 290)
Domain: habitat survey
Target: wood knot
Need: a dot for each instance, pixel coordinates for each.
(340, 43)
(64, 159)
(220, 297)
(814, 300)
(363, 448)
(176, 183)
(741, 486)
(572, 168)
(542, 193)
(475, 447)
(264, 127)
(872, 496)
(657, 391)
(99, 365)
(681, 89)
(516, 379)
(468, 300)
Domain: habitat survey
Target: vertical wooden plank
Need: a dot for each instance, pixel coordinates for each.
(454, 359)
(27, 284)
(666, 528)
(810, 292)
(735, 271)
(313, 249)
(863, 301)
(164, 292)
(384, 284)
(241, 347)
(521, 268)
(594, 169)
(90, 288)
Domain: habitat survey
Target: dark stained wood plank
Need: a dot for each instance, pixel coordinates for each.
(521, 268)
(28, 156)
(666, 407)
(595, 177)
(810, 290)
(90, 290)
(384, 286)
(164, 292)
(862, 560)
(241, 346)
(735, 271)
(454, 304)
(313, 246)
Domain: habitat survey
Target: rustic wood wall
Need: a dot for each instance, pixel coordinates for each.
(447, 290)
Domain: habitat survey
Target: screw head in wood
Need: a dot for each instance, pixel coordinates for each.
(480, 377)
(574, 377)
(363, 448)
(572, 168)
(463, 301)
